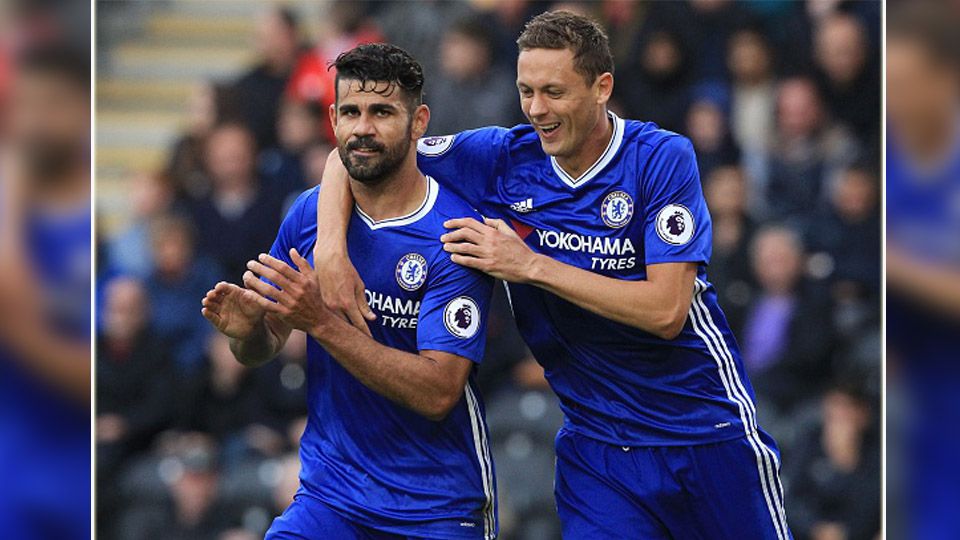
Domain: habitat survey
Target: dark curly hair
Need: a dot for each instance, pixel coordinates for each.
(381, 68)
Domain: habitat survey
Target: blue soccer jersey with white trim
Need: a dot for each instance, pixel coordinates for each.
(641, 203)
(371, 460)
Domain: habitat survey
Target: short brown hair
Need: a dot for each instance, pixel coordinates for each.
(566, 30)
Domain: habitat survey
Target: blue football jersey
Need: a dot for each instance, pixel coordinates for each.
(372, 460)
(923, 221)
(44, 435)
(639, 204)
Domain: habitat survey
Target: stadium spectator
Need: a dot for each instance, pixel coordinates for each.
(209, 105)
(261, 88)
(849, 85)
(134, 376)
(707, 128)
(134, 384)
(193, 509)
(239, 215)
(808, 151)
(753, 87)
(655, 85)
(418, 28)
(466, 68)
(726, 192)
(704, 27)
(848, 231)
(836, 490)
(180, 271)
(129, 252)
(300, 126)
(224, 402)
(786, 337)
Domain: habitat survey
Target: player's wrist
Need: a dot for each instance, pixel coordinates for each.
(535, 273)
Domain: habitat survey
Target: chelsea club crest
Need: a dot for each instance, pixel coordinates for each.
(617, 209)
(411, 271)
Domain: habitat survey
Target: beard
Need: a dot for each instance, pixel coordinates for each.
(372, 170)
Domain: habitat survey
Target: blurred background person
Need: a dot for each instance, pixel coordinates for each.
(179, 272)
(923, 266)
(284, 167)
(715, 71)
(785, 337)
(467, 69)
(209, 105)
(239, 213)
(838, 469)
(45, 297)
(278, 46)
(135, 382)
(733, 228)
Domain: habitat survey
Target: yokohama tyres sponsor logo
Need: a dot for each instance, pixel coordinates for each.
(594, 245)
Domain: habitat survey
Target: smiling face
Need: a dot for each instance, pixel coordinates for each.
(375, 128)
(561, 105)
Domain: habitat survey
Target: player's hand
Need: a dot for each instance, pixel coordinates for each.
(342, 289)
(299, 303)
(232, 310)
(491, 247)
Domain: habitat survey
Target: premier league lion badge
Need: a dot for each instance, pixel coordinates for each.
(461, 316)
(434, 146)
(617, 209)
(675, 224)
(411, 271)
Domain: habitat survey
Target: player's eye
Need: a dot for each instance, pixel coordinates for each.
(526, 92)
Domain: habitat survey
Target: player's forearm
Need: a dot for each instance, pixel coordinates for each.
(261, 346)
(652, 307)
(63, 365)
(334, 205)
(937, 287)
(411, 380)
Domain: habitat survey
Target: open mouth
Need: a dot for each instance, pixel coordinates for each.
(549, 128)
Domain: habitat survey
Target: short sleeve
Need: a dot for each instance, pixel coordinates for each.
(677, 225)
(292, 227)
(454, 311)
(464, 163)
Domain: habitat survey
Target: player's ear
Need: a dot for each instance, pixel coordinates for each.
(604, 87)
(333, 115)
(421, 118)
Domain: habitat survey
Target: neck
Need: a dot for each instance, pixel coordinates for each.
(930, 141)
(593, 146)
(399, 194)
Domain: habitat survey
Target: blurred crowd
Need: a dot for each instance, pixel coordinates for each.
(782, 103)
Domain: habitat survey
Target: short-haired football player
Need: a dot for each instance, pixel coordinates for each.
(600, 227)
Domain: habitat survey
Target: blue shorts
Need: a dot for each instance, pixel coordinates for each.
(726, 490)
(315, 520)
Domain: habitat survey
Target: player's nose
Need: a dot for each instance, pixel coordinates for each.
(538, 106)
(363, 126)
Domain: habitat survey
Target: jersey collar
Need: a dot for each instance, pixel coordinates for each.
(612, 147)
(424, 209)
